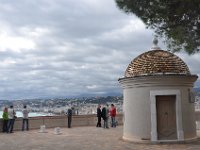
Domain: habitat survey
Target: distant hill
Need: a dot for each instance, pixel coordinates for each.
(197, 89)
(101, 95)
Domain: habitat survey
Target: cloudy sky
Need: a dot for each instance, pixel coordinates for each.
(64, 48)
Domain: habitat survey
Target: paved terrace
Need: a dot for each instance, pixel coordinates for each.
(81, 138)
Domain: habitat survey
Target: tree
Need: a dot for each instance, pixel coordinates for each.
(177, 21)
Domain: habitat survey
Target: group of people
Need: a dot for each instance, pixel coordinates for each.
(105, 113)
(9, 116)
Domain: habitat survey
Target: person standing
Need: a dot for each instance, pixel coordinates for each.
(105, 116)
(25, 120)
(112, 115)
(5, 120)
(11, 119)
(98, 116)
(69, 115)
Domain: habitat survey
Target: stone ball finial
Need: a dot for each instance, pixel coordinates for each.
(155, 44)
(155, 41)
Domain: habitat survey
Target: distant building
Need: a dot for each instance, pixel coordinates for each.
(158, 105)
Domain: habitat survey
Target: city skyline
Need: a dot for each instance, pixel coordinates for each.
(67, 48)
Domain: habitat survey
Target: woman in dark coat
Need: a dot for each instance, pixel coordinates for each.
(99, 116)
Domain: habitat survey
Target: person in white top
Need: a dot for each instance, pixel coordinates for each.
(25, 119)
(11, 117)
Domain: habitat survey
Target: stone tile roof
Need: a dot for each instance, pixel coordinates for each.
(156, 62)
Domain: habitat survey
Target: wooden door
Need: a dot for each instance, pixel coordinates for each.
(166, 117)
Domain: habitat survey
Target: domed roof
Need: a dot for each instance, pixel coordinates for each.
(156, 62)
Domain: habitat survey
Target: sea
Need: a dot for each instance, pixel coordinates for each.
(31, 114)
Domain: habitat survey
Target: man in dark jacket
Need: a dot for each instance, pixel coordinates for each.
(99, 116)
(105, 116)
(69, 115)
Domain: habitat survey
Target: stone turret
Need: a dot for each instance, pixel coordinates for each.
(158, 106)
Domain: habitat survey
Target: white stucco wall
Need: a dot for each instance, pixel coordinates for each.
(188, 115)
(136, 114)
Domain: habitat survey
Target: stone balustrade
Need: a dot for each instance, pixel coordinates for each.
(197, 114)
(60, 121)
(77, 120)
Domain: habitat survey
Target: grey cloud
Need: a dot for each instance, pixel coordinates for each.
(81, 48)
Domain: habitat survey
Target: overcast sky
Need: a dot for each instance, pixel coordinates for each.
(64, 48)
